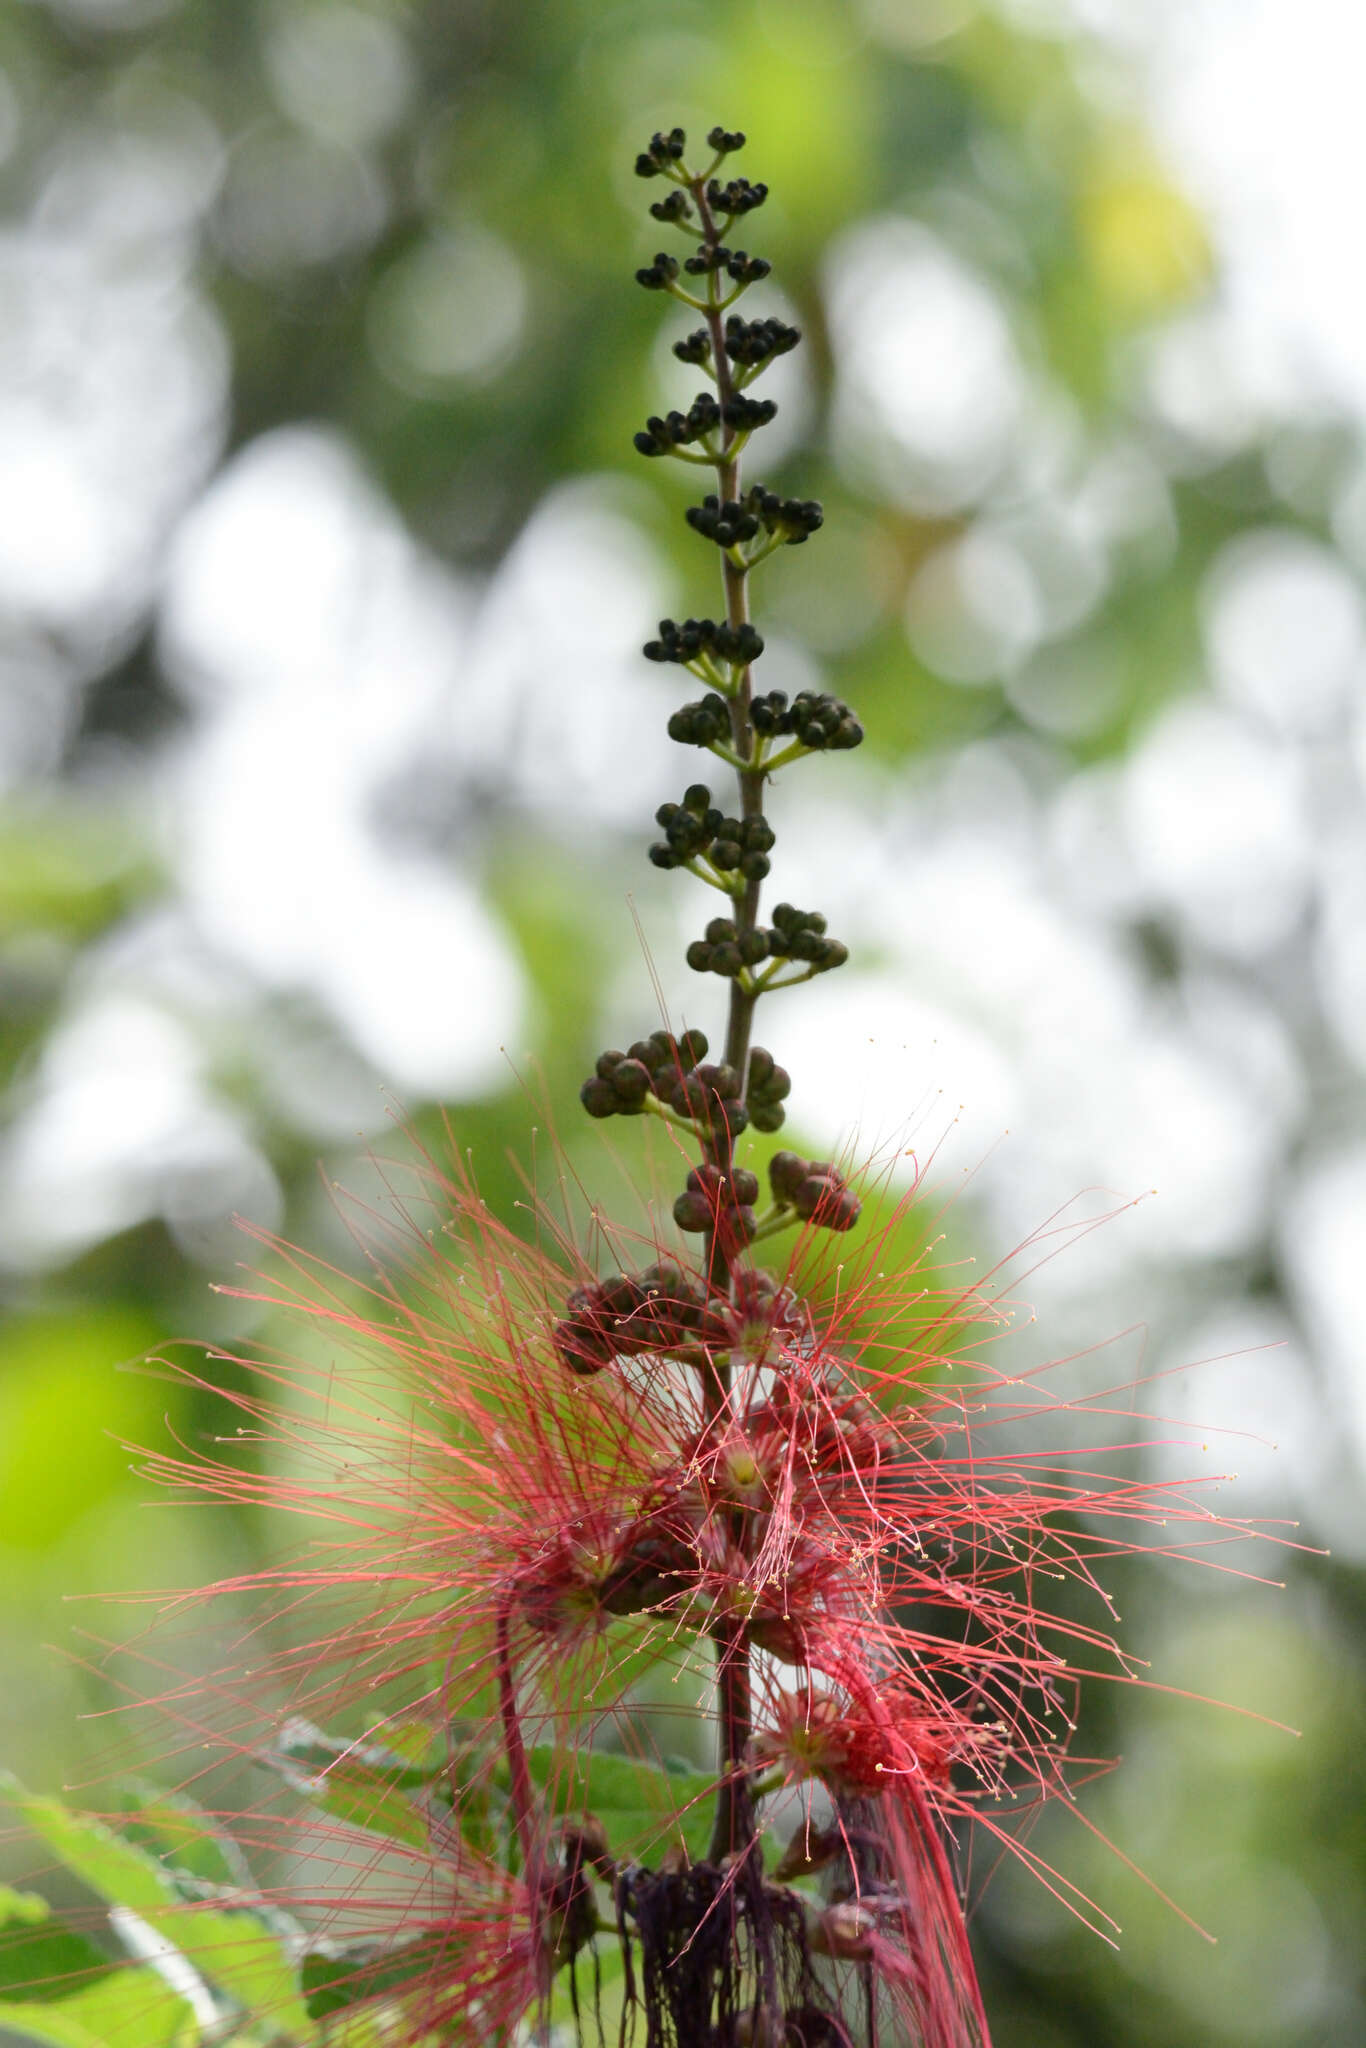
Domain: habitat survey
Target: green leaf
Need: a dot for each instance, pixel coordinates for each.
(308, 1753)
(41, 1958)
(180, 1834)
(361, 1783)
(641, 1804)
(422, 1746)
(132, 2007)
(335, 1977)
(234, 1948)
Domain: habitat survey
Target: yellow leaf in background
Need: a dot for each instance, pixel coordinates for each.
(1145, 242)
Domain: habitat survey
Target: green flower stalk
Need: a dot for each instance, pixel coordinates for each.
(754, 736)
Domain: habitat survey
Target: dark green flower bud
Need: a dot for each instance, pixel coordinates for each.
(754, 945)
(659, 1308)
(716, 1201)
(708, 258)
(695, 347)
(755, 342)
(698, 956)
(745, 414)
(697, 637)
(664, 149)
(789, 519)
(818, 720)
(710, 1096)
(726, 523)
(598, 1097)
(659, 275)
(701, 723)
(824, 1199)
(726, 142)
(769, 1084)
(669, 1057)
(746, 269)
(721, 931)
(727, 960)
(736, 197)
(618, 1087)
(631, 1082)
(769, 713)
(693, 1212)
(815, 1189)
(668, 1278)
(686, 834)
(786, 1172)
(582, 1340)
(674, 208)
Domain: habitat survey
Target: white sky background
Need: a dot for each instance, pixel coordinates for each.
(1260, 104)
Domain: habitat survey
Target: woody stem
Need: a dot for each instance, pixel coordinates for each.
(733, 1828)
(515, 1750)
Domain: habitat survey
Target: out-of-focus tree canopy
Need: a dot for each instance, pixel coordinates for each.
(328, 758)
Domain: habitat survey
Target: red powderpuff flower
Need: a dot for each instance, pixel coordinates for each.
(492, 1485)
(455, 1482)
(444, 1941)
(810, 1734)
(465, 1967)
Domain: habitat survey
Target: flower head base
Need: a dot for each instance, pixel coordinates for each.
(856, 1754)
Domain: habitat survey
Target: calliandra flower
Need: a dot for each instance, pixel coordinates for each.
(450, 1476)
(847, 1505)
(523, 1483)
(815, 1735)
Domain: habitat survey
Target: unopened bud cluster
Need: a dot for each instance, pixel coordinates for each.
(658, 1309)
(813, 1189)
(815, 719)
(696, 830)
(623, 1080)
(730, 848)
(729, 521)
(703, 639)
